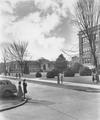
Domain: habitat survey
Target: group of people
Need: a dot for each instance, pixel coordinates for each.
(21, 93)
(60, 78)
(18, 75)
(95, 76)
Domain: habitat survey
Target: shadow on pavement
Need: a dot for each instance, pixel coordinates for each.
(39, 102)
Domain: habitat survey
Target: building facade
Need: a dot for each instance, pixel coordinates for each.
(42, 65)
(75, 59)
(85, 56)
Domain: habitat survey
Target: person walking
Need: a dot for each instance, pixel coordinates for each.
(58, 79)
(19, 75)
(24, 87)
(20, 92)
(16, 75)
(97, 77)
(62, 77)
(93, 76)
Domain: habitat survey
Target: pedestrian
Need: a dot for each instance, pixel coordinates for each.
(62, 77)
(16, 75)
(24, 87)
(9, 73)
(19, 75)
(58, 79)
(93, 76)
(97, 77)
(20, 92)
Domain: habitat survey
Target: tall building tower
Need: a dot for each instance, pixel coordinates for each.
(85, 55)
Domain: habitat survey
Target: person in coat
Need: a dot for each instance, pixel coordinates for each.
(20, 92)
(24, 87)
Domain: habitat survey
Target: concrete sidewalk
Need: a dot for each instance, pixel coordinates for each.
(71, 85)
(7, 104)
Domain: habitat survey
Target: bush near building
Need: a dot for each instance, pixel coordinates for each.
(55, 72)
(61, 63)
(69, 73)
(99, 69)
(52, 74)
(76, 67)
(85, 71)
(26, 69)
(38, 74)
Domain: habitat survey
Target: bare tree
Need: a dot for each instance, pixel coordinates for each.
(74, 51)
(4, 59)
(18, 51)
(4, 56)
(87, 15)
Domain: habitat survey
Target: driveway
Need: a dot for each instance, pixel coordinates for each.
(53, 103)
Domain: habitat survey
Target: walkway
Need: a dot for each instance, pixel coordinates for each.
(77, 86)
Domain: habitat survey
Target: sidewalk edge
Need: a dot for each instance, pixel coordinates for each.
(14, 106)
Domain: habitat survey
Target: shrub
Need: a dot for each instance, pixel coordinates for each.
(50, 74)
(38, 74)
(26, 68)
(55, 72)
(76, 67)
(41, 70)
(69, 73)
(60, 63)
(85, 71)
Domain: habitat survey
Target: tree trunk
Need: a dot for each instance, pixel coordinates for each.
(96, 67)
(5, 72)
(21, 69)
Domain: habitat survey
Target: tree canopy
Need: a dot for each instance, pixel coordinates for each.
(61, 63)
(87, 17)
(18, 51)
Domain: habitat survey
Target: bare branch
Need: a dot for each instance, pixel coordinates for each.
(88, 14)
(18, 51)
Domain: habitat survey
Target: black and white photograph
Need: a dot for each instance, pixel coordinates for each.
(49, 60)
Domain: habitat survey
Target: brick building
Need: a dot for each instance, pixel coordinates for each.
(85, 55)
(34, 66)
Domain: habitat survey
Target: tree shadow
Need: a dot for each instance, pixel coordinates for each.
(39, 102)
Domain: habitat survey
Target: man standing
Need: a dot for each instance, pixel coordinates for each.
(20, 93)
(58, 79)
(24, 87)
(19, 75)
(62, 77)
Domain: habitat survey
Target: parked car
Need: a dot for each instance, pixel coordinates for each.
(7, 88)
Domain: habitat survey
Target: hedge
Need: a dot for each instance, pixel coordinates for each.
(85, 71)
(38, 74)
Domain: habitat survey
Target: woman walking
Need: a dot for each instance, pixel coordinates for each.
(20, 92)
(24, 87)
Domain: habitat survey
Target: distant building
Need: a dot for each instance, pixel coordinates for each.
(34, 66)
(1, 67)
(85, 55)
(40, 65)
(75, 59)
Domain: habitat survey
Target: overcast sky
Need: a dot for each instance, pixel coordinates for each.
(45, 24)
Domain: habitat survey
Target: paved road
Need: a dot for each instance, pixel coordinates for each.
(75, 79)
(53, 103)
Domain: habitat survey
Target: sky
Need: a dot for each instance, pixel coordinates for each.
(45, 24)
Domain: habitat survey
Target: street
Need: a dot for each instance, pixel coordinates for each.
(54, 47)
(53, 103)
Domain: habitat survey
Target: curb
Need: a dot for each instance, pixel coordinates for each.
(14, 106)
(78, 88)
(83, 89)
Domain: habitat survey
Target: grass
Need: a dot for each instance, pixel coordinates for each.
(75, 79)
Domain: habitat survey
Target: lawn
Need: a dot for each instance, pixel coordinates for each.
(75, 79)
